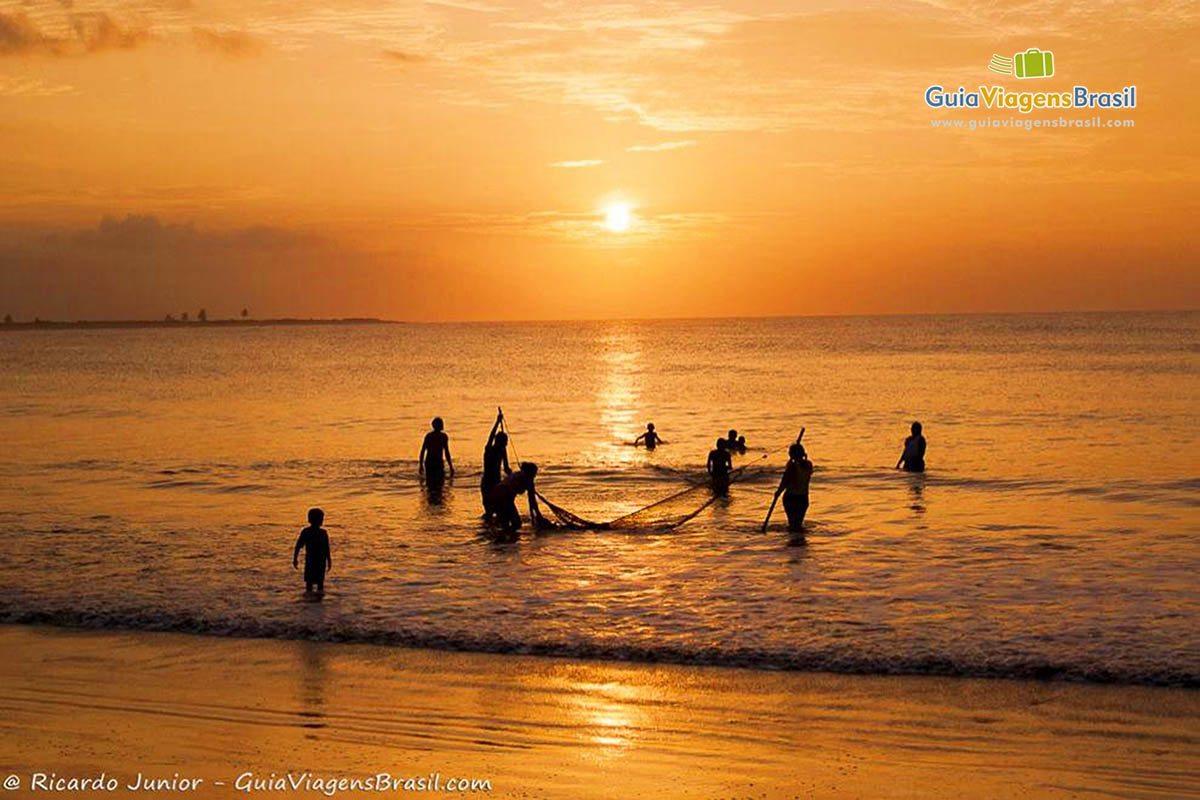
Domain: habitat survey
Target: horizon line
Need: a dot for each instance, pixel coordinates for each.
(366, 320)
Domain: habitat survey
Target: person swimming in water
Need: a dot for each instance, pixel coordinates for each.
(913, 457)
(502, 501)
(650, 438)
(794, 487)
(434, 448)
(495, 460)
(719, 466)
(735, 443)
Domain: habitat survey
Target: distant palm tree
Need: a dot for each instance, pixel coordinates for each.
(183, 316)
(169, 318)
(8, 319)
(245, 313)
(202, 315)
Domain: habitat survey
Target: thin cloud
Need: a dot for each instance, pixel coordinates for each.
(583, 162)
(20, 35)
(405, 57)
(99, 31)
(466, 5)
(662, 146)
(89, 32)
(143, 232)
(229, 42)
(32, 87)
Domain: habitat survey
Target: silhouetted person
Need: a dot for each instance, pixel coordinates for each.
(435, 447)
(741, 444)
(650, 438)
(317, 557)
(502, 500)
(720, 464)
(495, 459)
(735, 443)
(913, 457)
(794, 487)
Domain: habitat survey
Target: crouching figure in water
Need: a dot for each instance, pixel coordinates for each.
(502, 501)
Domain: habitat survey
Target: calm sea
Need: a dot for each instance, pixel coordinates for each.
(157, 479)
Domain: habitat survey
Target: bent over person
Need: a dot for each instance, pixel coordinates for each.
(502, 500)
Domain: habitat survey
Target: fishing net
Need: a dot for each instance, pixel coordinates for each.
(665, 514)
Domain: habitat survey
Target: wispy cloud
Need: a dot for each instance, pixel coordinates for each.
(662, 146)
(146, 231)
(467, 5)
(83, 33)
(648, 227)
(227, 41)
(583, 162)
(32, 87)
(405, 57)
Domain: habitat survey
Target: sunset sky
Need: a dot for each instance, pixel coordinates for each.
(505, 159)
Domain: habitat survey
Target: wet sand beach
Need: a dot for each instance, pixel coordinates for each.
(81, 703)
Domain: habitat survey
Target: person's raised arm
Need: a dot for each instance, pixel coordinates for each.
(495, 428)
(639, 438)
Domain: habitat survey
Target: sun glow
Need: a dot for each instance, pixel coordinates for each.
(618, 217)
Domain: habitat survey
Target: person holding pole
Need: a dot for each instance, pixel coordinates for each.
(793, 486)
(495, 462)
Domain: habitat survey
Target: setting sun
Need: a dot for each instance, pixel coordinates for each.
(618, 216)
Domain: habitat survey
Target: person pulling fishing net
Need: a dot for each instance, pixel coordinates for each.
(663, 514)
(502, 502)
(495, 462)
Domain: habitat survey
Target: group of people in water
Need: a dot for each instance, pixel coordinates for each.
(500, 486)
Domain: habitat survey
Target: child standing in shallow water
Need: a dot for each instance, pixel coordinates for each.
(317, 557)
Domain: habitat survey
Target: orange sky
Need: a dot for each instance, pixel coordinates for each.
(453, 159)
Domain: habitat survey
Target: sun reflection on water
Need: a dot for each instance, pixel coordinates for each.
(619, 393)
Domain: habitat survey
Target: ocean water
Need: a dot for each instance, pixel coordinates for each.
(157, 479)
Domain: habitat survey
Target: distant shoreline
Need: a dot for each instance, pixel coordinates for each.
(52, 325)
(296, 321)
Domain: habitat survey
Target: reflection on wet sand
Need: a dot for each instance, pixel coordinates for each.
(557, 728)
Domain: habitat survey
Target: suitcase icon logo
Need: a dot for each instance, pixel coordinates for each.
(1033, 63)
